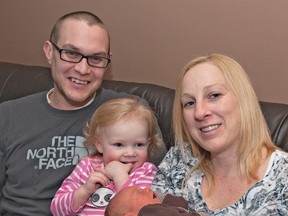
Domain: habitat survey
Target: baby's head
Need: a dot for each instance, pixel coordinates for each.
(120, 111)
(130, 200)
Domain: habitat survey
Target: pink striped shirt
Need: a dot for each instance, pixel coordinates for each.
(62, 202)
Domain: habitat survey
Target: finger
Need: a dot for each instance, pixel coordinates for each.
(103, 180)
(100, 169)
(129, 165)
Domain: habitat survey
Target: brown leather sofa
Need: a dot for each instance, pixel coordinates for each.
(19, 80)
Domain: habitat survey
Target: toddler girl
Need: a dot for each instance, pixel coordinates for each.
(123, 135)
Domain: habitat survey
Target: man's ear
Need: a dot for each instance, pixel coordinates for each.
(47, 48)
(98, 144)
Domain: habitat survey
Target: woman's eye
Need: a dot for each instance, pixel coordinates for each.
(188, 104)
(215, 95)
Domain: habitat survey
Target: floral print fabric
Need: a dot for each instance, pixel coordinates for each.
(269, 196)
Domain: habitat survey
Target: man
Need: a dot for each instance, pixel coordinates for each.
(41, 135)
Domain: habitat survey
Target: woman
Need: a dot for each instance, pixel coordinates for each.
(224, 162)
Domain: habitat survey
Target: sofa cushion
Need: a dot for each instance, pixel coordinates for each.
(18, 80)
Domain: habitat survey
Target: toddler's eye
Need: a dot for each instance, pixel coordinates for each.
(140, 144)
(118, 145)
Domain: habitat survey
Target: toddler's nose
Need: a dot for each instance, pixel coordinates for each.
(130, 152)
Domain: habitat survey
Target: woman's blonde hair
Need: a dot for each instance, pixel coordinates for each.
(254, 133)
(118, 109)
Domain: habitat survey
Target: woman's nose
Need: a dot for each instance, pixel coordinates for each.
(201, 110)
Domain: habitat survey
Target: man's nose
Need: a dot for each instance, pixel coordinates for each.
(82, 67)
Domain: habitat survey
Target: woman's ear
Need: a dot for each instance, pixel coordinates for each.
(47, 48)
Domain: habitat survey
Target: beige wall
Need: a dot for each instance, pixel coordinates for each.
(153, 39)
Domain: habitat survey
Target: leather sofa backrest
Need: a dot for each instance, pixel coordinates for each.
(18, 80)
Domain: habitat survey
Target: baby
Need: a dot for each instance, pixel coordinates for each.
(134, 201)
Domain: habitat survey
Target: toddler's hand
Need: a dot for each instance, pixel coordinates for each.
(115, 169)
(117, 172)
(95, 181)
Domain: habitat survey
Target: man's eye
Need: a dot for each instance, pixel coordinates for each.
(96, 58)
(71, 54)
